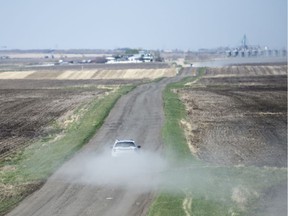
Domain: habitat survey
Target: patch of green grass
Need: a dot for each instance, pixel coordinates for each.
(167, 205)
(38, 161)
(203, 207)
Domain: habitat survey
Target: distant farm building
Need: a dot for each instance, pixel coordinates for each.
(141, 57)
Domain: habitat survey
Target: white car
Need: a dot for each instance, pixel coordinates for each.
(124, 147)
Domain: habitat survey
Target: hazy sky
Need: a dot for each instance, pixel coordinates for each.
(148, 24)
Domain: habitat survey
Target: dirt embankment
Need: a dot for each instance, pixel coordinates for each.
(238, 116)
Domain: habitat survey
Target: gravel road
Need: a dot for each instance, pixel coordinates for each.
(139, 116)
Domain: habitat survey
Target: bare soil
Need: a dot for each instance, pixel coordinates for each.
(31, 98)
(28, 107)
(238, 116)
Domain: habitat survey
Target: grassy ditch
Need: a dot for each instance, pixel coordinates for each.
(172, 133)
(27, 170)
(193, 187)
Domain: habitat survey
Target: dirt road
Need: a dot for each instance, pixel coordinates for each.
(138, 116)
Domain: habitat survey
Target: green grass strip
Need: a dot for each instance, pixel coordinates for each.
(175, 145)
(174, 109)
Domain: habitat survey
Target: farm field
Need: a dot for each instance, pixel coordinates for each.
(238, 115)
(235, 124)
(16, 70)
(90, 74)
(28, 109)
(41, 112)
(30, 100)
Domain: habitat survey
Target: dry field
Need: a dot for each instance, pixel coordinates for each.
(31, 100)
(27, 109)
(16, 70)
(238, 116)
(89, 74)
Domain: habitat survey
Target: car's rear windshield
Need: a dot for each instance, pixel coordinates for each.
(125, 144)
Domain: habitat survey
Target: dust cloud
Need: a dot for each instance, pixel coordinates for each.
(149, 171)
(146, 171)
(141, 170)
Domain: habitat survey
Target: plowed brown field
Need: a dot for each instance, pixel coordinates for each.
(26, 112)
(238, 116)
(33, 98)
